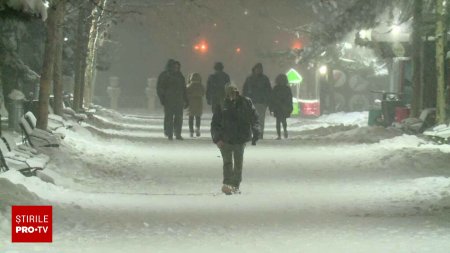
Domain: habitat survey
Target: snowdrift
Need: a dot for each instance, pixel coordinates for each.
(348, 134)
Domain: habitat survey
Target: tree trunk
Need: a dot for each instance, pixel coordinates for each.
(441, 39)
(416, 103)
(90, 58)
(96, 29)
(57, 68)
(47, 70)
(77, 94)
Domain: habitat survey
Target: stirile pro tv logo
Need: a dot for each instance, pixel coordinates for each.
(31, 224)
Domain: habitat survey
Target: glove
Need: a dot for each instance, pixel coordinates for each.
(255, 139)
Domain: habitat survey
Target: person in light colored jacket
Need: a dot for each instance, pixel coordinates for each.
(195, 92)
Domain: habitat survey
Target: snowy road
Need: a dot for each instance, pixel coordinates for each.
(125, 195)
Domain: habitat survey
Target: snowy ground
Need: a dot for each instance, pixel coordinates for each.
(122, 187)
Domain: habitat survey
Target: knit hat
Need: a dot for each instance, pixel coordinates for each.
(229, 89)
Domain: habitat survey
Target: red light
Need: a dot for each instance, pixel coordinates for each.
(201, 47)
(297, 45)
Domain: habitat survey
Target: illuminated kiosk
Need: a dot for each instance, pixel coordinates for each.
(303, 107)
(295, 79)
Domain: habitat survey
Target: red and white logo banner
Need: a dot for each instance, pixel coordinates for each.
(31, 224)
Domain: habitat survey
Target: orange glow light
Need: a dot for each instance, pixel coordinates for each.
(297, 45)
(238, 50)
(201, 47)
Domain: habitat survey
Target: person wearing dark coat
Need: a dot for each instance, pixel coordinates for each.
(233, 124)
(195, 92)
(281, 103)
(171, 90)
(257, 88)
(215, 86)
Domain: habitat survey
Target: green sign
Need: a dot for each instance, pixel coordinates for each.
(294, 77)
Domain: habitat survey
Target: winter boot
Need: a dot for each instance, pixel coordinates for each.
(236, 190)
(192, 134)
(285, 134)
(278, 138)
(197, 132)
(227, 189)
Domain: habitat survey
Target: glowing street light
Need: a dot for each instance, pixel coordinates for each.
(396, 29)
(201, 47)
(323, 70)
(238, 50)
(297, 45)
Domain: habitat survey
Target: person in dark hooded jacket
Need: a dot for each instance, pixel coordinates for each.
(281, 103)
(234, 123)
(257, 88)
(215, 89)
(171, 90)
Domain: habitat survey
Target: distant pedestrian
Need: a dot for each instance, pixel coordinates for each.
(232, 126)
(171, 90)
(281, 103)
(195, 92)
(215, 89)
(257, 88)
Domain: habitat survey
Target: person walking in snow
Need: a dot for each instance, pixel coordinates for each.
(171, 90)
(257, 88)
(215, 89)
(232, 126)
(281, 103)
(195, 92)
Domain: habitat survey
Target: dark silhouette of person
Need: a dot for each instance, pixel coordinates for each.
(171, 90)
(257, 88)
(215, 86)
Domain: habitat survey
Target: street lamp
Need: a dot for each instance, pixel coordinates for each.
(201, 47)
(323, 70)
(396, 29)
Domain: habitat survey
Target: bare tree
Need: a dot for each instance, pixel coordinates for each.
(441, 39)
(99, 15)
(47, 69)
(83, 21)
(57, 68)
(417, 45)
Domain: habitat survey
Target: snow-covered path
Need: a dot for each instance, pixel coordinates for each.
(116, 195)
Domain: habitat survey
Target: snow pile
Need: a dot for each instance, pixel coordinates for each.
(13, 193)
(346, 118)
(433, 188)
(16, 95)
(108, 113)
(19, 190)
(348, 134)
(365, 135)
(35, 7)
